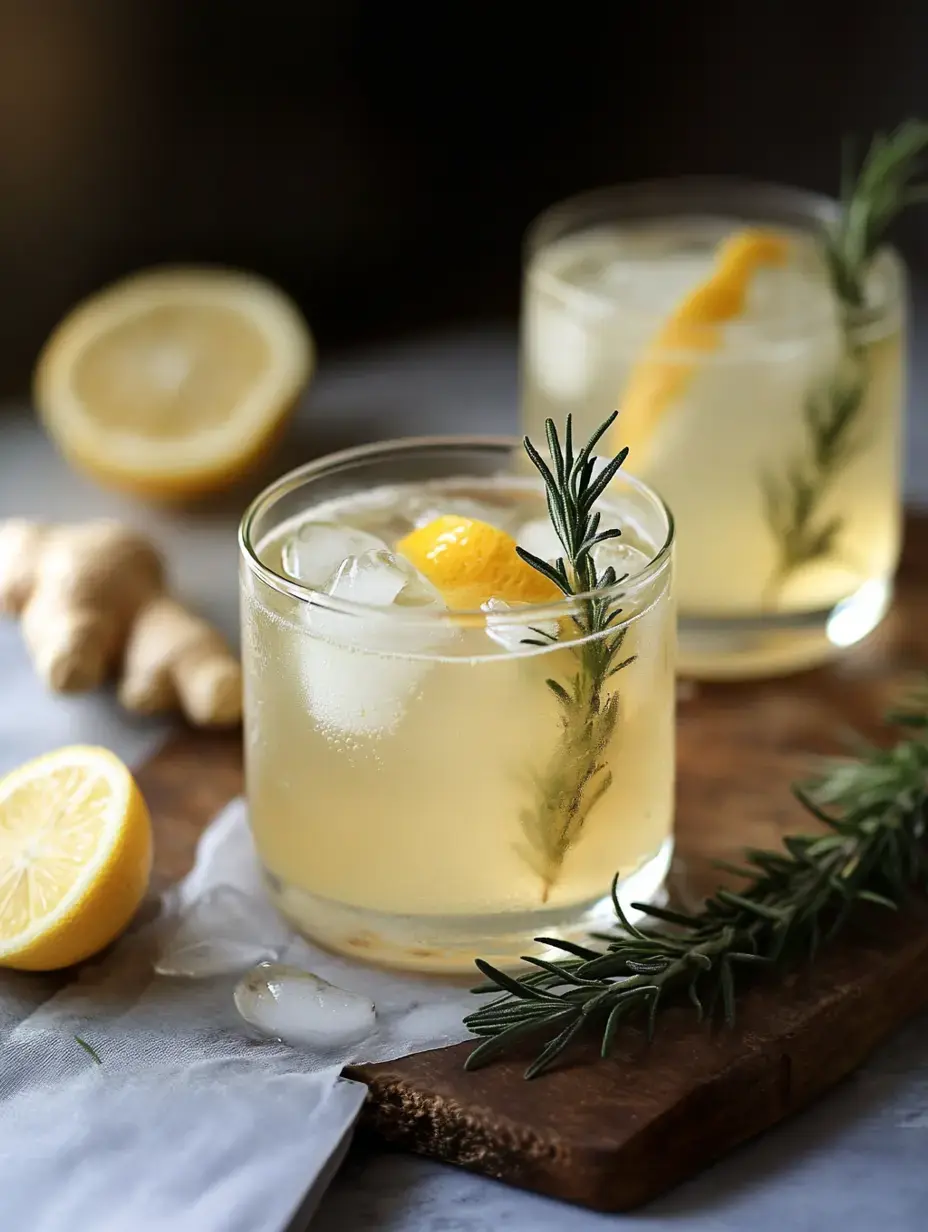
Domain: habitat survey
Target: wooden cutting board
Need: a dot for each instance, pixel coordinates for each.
(612, 1134)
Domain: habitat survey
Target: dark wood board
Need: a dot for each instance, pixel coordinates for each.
(611, 1135)
(187, 782)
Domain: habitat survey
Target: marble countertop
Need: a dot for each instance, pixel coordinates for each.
(855, 1160)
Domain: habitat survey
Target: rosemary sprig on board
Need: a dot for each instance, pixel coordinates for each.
(874, 849)
(870, 202)
(578, 777)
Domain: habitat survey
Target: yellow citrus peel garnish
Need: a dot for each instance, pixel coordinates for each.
(470, 561)
(695, 325)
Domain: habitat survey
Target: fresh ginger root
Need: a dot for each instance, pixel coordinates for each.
(92, 603)
(174, 658)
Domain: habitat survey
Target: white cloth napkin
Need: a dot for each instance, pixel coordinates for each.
(191, 1144)
(189, 1121)
(223, 907)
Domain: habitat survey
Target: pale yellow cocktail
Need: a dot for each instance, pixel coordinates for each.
(765, 415)
(416, 794)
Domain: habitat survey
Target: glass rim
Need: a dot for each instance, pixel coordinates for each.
(801, 200)
(292, 480)
(787, 201)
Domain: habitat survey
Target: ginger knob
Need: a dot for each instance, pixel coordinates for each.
(92, 604)
(89, 583)
(174, 658)
(20, 546)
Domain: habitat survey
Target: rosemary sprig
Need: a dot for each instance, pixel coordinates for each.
(578, 778)
(874, 849)
(794, 500)
(870, 202)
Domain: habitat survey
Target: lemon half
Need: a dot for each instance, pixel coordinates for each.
(75, 857)
(174, 382)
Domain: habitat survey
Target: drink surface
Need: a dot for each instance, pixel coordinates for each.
(730, 414)
(404, 759)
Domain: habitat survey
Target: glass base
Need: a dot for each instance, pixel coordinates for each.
(448, 944)
(774, 645)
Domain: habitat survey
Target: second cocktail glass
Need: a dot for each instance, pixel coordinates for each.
(766, 414)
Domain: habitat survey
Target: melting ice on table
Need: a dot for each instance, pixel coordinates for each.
(302, 1009)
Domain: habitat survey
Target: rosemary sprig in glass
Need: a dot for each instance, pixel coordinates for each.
(874, 849)
(577, 778)
(870, 203)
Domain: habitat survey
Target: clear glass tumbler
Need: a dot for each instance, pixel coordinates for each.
(767, 415)
(418, 791)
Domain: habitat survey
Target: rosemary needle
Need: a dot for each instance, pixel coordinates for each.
(89, 1049)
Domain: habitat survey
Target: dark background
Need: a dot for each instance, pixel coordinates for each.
(381, 160)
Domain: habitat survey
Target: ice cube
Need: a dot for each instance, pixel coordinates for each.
(512, 636)
(380, 578)
(560, 351)
(201, 960)
(302, 1009)
(373, 578)
(540, 538)
(221, 933)
(646, 287)
(315, 551)
(356, 667)
(624, 558)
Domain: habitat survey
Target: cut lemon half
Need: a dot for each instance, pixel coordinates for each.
(75, 857)
(174, 382)
(470, 562)
(694, 326)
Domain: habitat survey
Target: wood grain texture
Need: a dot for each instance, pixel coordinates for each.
(612, 1134)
